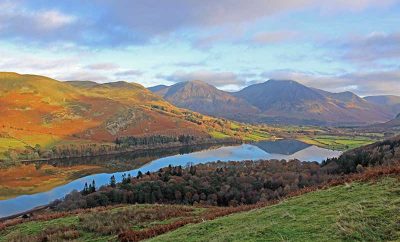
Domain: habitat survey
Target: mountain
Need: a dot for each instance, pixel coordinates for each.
(159, 89)
(389, 102)
(284, 147)
(37, 110)
(205, 98)
(289, 100)
(393, 124)
(82, 83)
(275, 101)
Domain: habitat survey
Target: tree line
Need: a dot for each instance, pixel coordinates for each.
(217, 183)
(384, 153)
(232, 183)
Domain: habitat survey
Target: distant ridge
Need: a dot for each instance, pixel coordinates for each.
(388, 102)
(276, 101)
(205, 98)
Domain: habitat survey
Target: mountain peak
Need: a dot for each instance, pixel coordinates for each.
(282, 81)
(123, 84)
(278, 94)
(197, 83)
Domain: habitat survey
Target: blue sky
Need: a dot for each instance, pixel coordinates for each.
(336, 45)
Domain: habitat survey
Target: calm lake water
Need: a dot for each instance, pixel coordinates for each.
(283, 149)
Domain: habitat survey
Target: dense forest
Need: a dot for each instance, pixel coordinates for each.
(218, 183)
(229, 183)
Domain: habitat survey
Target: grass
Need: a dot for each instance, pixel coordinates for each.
(337, 142)
(101, 225)
(356, 212)
(218, 135)
(360, 211)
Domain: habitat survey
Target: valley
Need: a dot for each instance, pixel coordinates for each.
(174, 120)
(85, 118)
(345, 204)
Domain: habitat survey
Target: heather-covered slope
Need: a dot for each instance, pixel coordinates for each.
(35, 105)
(39, 112)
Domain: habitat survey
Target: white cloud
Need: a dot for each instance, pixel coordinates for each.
(128, 73)
(53, 19)
(103, 66)
(362, 83)
(218, 79)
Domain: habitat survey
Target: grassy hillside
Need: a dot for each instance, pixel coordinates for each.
(359, 211)
(354, 212)
(102, 224)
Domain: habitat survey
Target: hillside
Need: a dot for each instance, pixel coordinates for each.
(353, 212)
(291, 100)
(205, 98)
(389, 102)
(39, 113)
(276, 101)
(366, 211)
(52, 111)
(322, 202)
(392, 124)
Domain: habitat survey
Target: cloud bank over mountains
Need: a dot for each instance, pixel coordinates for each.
(336, 44)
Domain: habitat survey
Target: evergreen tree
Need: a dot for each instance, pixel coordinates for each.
(112, 181)
(93, 187)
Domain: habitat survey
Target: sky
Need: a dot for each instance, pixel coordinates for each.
(335, 45)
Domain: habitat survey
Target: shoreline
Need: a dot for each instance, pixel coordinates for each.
(137, 149)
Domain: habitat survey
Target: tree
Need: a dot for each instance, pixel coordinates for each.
(85, 190)
(112, 181)
(92, 187)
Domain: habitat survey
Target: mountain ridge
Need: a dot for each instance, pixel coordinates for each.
(205, 98)
(283, 101)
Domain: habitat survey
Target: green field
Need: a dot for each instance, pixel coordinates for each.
(356, 212)
(338, 142)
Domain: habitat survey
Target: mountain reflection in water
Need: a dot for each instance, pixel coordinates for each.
(225, 153)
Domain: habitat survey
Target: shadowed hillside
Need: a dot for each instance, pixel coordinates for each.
(204, 98)
(389, 102)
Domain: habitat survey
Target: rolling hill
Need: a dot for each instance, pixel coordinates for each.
(276, 101)
(98, 112)
(42, 112)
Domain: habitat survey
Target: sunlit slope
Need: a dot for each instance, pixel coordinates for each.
(39, 110)
(356, 212)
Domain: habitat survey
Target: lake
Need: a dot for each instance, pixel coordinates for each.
(282, 149)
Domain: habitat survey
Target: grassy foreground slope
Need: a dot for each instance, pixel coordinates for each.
(359, 211)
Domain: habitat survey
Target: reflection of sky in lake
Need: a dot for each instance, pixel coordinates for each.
(228, 153)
